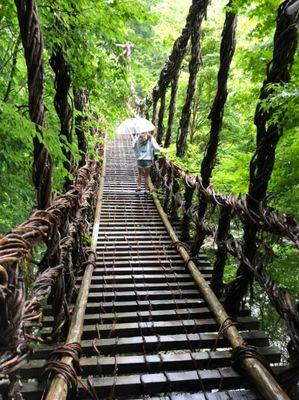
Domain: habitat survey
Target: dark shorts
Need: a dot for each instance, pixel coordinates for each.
(144, 163)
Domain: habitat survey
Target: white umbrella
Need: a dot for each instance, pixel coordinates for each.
(135, 126)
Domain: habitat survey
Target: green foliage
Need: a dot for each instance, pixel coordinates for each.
(88, 31)
(16, 135)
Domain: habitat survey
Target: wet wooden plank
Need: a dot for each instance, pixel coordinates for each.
(155, 343)
(142, 278)
(155, 363)
(143, 295)
(178, 326)
(165, 327)
(219, 395)
(139, 286)
(152, 383)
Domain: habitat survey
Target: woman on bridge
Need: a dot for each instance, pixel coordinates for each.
(145, 147)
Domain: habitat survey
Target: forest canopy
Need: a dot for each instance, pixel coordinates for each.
(90, 34)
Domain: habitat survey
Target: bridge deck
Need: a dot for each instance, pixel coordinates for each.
(148, 331)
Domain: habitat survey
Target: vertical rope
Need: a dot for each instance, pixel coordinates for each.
(64, 111)
(227, 49)
(221, 253)
(193, 70)
(188, 196)
(268, 134)
(172, 109)
(80, 101)
(32, 41)
(160, 129)
(174, 61)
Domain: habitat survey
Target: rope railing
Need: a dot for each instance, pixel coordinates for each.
(229, 206)
(258, 222)
(264, 216)
(62, 228)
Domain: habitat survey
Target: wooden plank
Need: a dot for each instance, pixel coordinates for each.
(141, 305)
(137, 254)
(146, 251)
(174, 326)
(144, 305)
(154, 315)
(143, 295)
(136, 261)
(243, 394)
(144, 278)
(142, 270)
(124, 245)
(154, 343)
(140, 258)
(178, 326)
(155, 362)
(153, 383)
(145, 286)
(133, 241)
(131, 226)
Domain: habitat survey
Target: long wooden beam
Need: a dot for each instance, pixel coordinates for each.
(58, 389)
(264, 381)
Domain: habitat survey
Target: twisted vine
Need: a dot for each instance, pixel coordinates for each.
(32, 41)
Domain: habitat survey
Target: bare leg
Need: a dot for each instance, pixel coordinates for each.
(146, 176)
(139, 178)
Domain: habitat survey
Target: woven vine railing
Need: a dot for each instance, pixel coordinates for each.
(244, 227)
(61, 234)
(177, 184)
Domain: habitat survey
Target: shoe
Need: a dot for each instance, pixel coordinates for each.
(138, 189)
(146, 191)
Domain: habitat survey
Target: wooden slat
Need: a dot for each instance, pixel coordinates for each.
(133, 316)
(128, 329)
(143, 295)
(142, 305)
(156, 343)
(219, 395)
(155, 362)
(141, 270)
(151, 383)
(101, 271)
(145, 286)
(144, 278)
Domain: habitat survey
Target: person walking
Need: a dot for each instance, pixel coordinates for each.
(145, 146)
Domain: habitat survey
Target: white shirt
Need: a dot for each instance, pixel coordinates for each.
(146, 152)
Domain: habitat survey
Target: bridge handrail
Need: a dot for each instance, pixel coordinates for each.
(267, 218)
(63, 229)
(172, 179)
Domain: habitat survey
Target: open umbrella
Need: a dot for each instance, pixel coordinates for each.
(135, 126)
